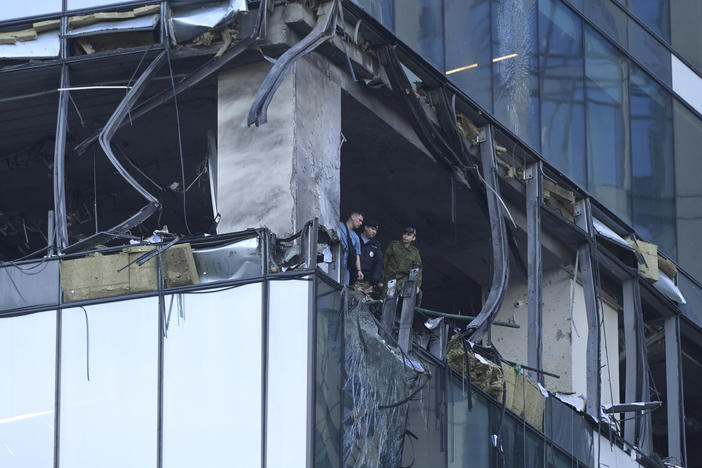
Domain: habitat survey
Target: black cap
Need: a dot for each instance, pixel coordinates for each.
(409, 230)
(371, 222)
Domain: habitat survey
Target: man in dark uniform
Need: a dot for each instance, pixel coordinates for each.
(371, 254)
(401, 257)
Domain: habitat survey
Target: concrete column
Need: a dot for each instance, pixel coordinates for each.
(286, 172)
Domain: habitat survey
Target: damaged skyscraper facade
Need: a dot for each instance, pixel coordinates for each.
(173, 176)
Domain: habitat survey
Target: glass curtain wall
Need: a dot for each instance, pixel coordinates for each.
(607, 110)
(562, 89)
(468, 48)
(420, 24)
(515, 67)
(652, 164)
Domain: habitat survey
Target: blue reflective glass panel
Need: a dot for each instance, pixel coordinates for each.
(467, 39)
(419, 23)
(655, 14)
(562, 89)
(609, 17)
(688, 189)
(382, 10)
(650, 53)
(515, 67)
(608, 152)
(652, 166)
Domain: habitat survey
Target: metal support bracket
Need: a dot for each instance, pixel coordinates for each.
(389, 309)
(588, 272)
(409, 295)
(532, 175)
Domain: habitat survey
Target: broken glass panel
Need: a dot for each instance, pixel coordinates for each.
(109, 381)
(515, 67)
(562, 89)
(425, 420)
(382, 10)
(608, 142)
(27, 366)
(653, 172)
(328, 379)
(212, 378)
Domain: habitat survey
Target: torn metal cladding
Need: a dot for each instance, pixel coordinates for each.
(498, 240)
(322, 31)
(188, 22)
(534, 196)
(212, 66)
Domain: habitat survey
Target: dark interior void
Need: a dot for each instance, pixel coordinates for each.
(147, 147)
(691, 355)
(655, 352)
(386, 177)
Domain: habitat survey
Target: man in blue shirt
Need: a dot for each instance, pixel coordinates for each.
(346, 233)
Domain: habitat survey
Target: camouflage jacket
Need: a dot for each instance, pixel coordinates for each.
(399, 260)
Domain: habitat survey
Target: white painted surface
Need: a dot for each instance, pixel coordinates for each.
(612, 455)
(686, 83)
(286, 436)
(564, 341)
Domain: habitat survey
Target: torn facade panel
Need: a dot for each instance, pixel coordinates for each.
(347, 118)
(189, 22)
(44, 45)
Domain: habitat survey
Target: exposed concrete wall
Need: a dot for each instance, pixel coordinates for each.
(564, 345)
(287, 171)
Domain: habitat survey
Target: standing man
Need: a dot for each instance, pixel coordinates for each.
(401, 257)
(351, 245)
(371, 254)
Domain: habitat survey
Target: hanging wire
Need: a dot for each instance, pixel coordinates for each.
(87, 344)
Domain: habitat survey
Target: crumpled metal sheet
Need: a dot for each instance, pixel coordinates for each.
(142, 23)
(238, 260)
(666, 286)
(607, 233)
(189, 22)
(46, 45)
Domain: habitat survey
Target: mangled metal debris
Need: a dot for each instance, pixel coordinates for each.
(188, 22)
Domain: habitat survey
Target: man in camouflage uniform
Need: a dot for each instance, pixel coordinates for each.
(401, 257)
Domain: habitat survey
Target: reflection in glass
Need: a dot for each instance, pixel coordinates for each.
(419, 24)
(467, 39)
(328, 380)
(656, 15)
(110, 420)
(515, 67)
(609, 17)
(212, 379)
(286, 437)
(688, 189)
(27, 367)
(652, 169)
(426, 421)
(469, 431)
(382, 10)
(650, 53)
(606, 72)
(534, 449)
(557, 459)
(513, 442)
(77, 4)
(562, 89)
